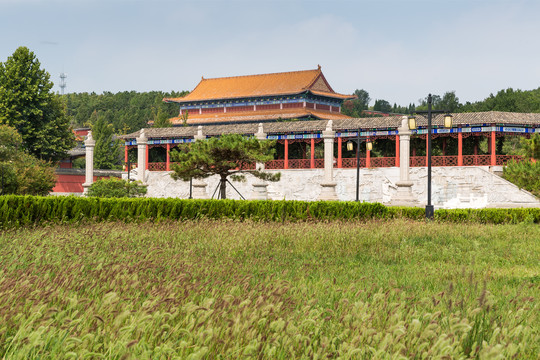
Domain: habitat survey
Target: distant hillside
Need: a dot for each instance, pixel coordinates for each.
(527, 101)
(128, 111)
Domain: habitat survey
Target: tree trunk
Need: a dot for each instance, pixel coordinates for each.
(222, 188)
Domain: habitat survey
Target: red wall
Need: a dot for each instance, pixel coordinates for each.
(71, 183)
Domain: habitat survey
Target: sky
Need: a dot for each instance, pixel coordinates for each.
(396, 50)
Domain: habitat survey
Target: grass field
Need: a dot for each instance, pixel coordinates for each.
(227, 290)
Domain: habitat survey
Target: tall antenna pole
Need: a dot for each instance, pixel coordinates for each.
(63, 77)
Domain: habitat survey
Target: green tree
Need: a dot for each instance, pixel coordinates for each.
(449, 102)
(530, 148)
(355, 107)
(27, 104)
(508, 100)
(161, 119)
(362, 98)
(525, 174)
(383, 106)
(127, 111)
(228, 155)
(20, 172)
(107, 151)
(117, 188)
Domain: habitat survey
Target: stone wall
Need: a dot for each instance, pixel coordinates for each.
(452, 187)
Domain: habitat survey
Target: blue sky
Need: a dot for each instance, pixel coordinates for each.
(397, 50)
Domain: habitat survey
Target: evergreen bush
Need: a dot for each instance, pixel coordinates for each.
(116, 188)
(524, 174)
(16, 211)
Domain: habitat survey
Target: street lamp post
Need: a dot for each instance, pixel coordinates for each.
(430, 211)
(369, 146)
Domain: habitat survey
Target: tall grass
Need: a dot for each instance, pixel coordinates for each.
(228, 289)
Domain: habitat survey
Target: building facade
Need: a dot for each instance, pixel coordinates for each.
(298, 95)
(295, 108)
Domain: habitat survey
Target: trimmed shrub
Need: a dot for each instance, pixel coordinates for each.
(18, 211)
(116, 188)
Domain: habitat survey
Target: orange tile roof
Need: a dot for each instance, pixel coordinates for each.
(334, 95)
(259, 116)
(285, 83)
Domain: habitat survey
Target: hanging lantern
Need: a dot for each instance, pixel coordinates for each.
(412, 123)
(447, 121)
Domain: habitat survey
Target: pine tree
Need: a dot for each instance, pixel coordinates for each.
(225, 156)
(107, 150)
(161, 119)
(27, 104)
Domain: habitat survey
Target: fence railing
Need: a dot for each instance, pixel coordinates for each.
(375, 162)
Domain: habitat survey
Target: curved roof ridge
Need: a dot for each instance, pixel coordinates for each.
(266, 74)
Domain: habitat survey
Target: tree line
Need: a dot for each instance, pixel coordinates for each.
(126, 111)
(526, 101)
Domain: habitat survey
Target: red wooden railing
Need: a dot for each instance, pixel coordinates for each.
(294, 164)
(383, 161)
(351, 162)
(476, 160)
(504, 159)
(157, 166)
(444, 160)
(274, 164)
(415, 161)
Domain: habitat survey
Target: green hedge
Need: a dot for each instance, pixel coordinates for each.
(18, 211)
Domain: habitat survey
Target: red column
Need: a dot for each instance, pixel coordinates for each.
(147, 148)
(368, 158)
(312, 153)
(444, 146)
(126, 155)
(460, 149)
(493, 149)
(286, 154)
(168, 166)
(339, 157)
(397, 150)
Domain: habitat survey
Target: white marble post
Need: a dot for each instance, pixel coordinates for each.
(90, 144)
(200, 135)
(142, 142)
(328, 191)
(404, 196)
(199, 186)
(260, 191)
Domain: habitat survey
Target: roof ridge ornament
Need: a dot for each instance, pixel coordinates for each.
(89, 141)
(200, 135)
(260, 134)
(142, 136)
